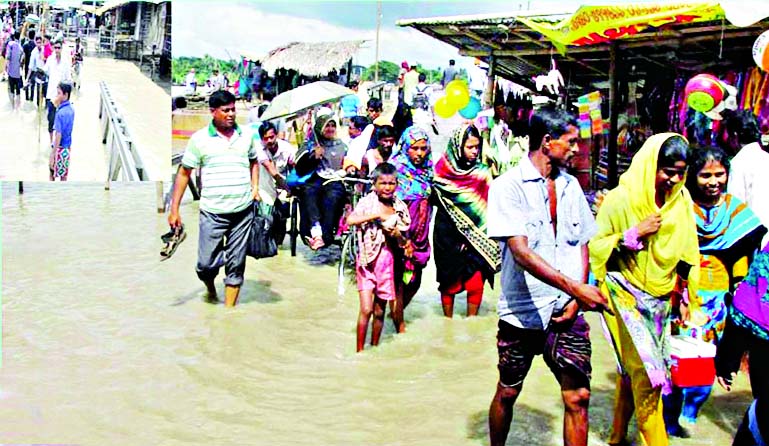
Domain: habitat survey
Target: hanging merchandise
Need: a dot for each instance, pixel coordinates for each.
(553, 80)
(761, 51)
(704, 92)
(590, 120)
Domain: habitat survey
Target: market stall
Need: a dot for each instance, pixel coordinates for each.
(636, 56)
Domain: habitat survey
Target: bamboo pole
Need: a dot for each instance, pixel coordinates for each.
(614, 118)
(378, 25)
(488, 95)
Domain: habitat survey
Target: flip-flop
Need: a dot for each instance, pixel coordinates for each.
(316, 243)
(172, 240)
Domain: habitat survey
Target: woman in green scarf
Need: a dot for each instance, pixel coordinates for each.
(465, 258)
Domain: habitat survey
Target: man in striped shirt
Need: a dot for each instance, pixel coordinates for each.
(228, 157)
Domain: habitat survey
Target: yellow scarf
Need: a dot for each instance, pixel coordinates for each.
(653, 269)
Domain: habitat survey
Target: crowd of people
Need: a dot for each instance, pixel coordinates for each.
(47, 69)
(678, 247)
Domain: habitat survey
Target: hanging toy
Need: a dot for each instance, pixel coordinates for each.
(729, 103)
(704, 92)
(553, 81)
(761, 51)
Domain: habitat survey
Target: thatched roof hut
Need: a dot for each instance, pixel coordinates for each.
(311, 59)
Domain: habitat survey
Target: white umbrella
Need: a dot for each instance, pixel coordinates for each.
(304, 97)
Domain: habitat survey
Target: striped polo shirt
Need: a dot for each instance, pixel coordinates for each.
(224, 166)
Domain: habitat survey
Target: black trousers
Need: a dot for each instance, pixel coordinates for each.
(322, 204)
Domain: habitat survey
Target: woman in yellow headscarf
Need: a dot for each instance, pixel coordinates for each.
(646, 252)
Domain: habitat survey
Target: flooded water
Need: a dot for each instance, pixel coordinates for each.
(105, 344)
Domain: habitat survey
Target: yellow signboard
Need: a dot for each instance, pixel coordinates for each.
(600, 24)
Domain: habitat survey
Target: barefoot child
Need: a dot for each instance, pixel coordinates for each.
(381, 218)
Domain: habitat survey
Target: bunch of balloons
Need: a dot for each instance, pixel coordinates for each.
(457, 99)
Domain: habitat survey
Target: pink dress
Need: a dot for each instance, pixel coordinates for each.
(375, 264)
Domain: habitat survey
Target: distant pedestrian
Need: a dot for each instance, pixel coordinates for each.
(191, 81)
(450, 73)
(350, 104)
(35, 75)
(342, 79)
(14, 56)
(62, 131)
(28, 46)
(58, 70)
(217, 81)
(410, 81)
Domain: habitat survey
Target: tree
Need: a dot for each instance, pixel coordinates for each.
(388, 72)
(204, 67)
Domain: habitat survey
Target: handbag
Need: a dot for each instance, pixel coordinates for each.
(261, 243)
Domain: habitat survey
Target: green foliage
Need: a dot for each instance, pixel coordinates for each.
(388, 72)
(204, 67)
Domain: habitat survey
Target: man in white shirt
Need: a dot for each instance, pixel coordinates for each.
(35, 74)
(542, 221)
(281, 153)
(59, 70)
(478, 79)
(748, 179)
(422, 101)
(191, 82)
(410, 80)
(217, 81)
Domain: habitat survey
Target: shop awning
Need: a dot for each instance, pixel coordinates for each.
(693, 36)
(112, 4)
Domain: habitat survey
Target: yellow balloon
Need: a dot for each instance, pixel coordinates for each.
(457, 83)
(444, 109)
(457, 94)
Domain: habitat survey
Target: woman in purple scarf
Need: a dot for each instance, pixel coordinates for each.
(414, 165)
(747, 329)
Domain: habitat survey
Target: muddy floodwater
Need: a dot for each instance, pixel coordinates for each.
(104, 344)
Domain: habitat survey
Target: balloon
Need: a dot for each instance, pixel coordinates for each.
(704, 92)
(471, 109)
(761, 51)
(457, 83)
(457, 94)
(444, 109)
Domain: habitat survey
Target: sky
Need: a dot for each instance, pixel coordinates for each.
(225, 29)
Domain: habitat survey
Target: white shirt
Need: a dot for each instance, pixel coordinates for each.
(749, 181)
(356, 148)
(35, 60)
(478, 78)
(217, 82)
(58, 71)
(519, 206)
(282, 158)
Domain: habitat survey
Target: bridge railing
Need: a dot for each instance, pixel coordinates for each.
(125, 164)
